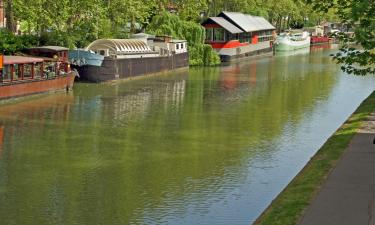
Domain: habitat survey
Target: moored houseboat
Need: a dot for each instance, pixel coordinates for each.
(320, 40)
(319, 36)
(127, 58)
(21, 76)
(236, 35)
(82, 57)
(292, 41)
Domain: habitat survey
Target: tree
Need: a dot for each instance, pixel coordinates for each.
(199, 53)
(11, 24)
(358, 14)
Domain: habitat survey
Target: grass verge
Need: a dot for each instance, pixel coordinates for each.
(289, 206)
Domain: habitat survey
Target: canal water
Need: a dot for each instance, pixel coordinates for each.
(205, 146)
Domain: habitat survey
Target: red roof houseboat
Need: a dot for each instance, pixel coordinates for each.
(21, 76)
(235, 35)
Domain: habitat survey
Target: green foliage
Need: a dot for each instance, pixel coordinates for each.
(199, 53)
(76, 23)
(11, 43)
(358, 14)
(203, 55)
(282, 13)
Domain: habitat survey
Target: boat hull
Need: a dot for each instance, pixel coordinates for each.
(30, 87)
(116, 69)
(320, 40)
(230, 54)
(288, 45)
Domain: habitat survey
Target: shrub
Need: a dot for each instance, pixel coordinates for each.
(200, 54)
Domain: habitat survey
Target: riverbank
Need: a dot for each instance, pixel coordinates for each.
(292, 202)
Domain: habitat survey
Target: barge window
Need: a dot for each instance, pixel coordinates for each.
(15, 72)
(50, 69)
(231, 37)
(6, 73)
(245, 37)
(37, 71)
(27, 71)
(219, 34)
(209, 34)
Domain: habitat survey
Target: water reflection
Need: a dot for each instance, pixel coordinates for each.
(302, 51)
(323, 47)
(208, 146)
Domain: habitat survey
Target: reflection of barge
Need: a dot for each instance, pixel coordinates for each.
(23, 76)
(126, 58)
(236, 35)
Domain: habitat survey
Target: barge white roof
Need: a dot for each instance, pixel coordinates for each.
(262, 23)
(120, 46)
(247, 23)
(225, 24)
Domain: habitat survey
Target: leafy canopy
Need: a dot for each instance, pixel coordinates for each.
(360, 15)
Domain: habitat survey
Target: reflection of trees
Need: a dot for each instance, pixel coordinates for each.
(130, 148)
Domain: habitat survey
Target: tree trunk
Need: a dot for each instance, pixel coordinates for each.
(132, 25)
(271, 17)
(11, 24)
(278, 23)
(288, 22)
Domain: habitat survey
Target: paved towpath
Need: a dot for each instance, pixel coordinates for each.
(348, 195)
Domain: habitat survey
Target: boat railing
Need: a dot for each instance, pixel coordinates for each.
(13, 73)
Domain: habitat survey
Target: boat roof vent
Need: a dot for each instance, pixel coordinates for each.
(120, 46)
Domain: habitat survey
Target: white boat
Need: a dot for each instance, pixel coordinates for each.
(288, 41)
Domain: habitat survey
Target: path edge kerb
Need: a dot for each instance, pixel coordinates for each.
(289, 206)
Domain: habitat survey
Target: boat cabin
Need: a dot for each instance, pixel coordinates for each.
(166, 45)
(141, 46)
(17, 68)
(56, 58)
(178, 46)
(56, 52)
(20, 68)
(233, 30)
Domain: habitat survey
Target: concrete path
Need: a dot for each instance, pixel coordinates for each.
(348, 195)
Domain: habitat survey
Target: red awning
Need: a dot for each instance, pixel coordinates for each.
(20, 60)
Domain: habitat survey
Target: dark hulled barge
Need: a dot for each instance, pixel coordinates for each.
(127, 58)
